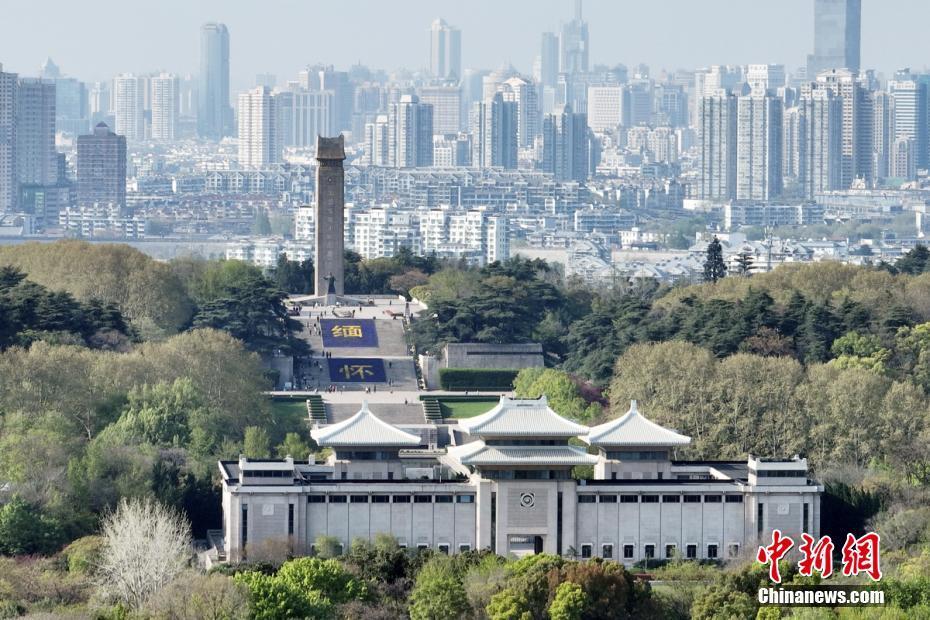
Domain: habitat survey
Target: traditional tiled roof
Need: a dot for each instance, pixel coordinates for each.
(522, 418)
(632, 429)
(363, 429)
(480, 454)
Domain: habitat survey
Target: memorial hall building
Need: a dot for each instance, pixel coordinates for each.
(503, 481)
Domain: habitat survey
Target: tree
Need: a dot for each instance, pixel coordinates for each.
(294, 446)
(25, 530)
(714, 267)
(146, 546)
(438, 593)
(744, 261)
(570, 602)
(160, 414)
(560, 390)
(261, 225)
(294, 277)
(194, 596)
(257, 444)
(273, 598)
(327, 577)
(719, 602)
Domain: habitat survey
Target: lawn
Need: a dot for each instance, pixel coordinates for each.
(466, 408)
(290, 415)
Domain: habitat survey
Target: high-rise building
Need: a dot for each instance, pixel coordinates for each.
(573, 44)
(904, 158)
(129, 94)
(214, 116)
(671, 105)
(765, 77)
(524, 94)
(909, 101)
(548, 60)
(101, 168)
(8, 83)
(410, 133)
(605, 107)
(821, 146)
(378, 141)
(759, 146)
(447, 106)
(857, 106)
(717, 139)
(164, 106)
(638, 103)
(494, 130)
(837, 31)
(445, 51)
(303, 115)
(36, 157)
(882, 134)
(343, 96)
(565, 145)
(259, 138)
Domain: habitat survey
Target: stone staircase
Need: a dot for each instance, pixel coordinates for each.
(432, 411)
(316, 409)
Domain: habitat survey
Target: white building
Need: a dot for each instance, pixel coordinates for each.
(502, 481)
(445, 51)
(129, 93)
(476, 235)
(759, 147)
(259, 139)
(380, 232)
(264, 252)
(303, 223)
(164, 106)
(605, 107)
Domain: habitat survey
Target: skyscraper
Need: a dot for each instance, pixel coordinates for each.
(303, 115)
(857, 107)
(259, 138)
(605, 107)
(410, 128)
(821, 145)
(378, 141)
(717, 143)
(549, 60)
(164, 106)
(573, 44)
(101, 168)
(759, 146)
(447, 107)
(565, 145)
(909, 101)
(7, 140)
(523, 93)
(765, 77)
(214, 116)
(837, 30)
(343, 96)
(130, 100)
(494, 128)
(445, 51)
(36, 157)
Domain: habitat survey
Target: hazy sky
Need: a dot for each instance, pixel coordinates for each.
(96, 39)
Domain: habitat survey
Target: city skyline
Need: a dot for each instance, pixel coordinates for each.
(726, 36)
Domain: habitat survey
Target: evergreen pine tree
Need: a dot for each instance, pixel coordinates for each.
(714, 267)
(744, 261)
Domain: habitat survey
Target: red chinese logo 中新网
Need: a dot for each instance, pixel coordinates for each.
(859, 555)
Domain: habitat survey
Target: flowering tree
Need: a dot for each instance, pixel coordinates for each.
(146, 545)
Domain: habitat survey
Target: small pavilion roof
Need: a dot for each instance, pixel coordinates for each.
(522, 418)
(477, 453)
(632, 429)
(363, 429)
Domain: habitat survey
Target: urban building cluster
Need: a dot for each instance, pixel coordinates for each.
(473, 163)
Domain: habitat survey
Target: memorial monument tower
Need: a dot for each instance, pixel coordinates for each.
(329, 274)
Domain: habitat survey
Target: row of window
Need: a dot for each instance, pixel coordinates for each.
(780, 473)
(442, 547)
(268, 473)
(649, 551)
(637, 455)
(609, 498)
(396, 499)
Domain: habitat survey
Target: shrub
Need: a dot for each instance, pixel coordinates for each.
(476, 378)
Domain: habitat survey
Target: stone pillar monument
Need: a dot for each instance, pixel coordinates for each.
(328, 262)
